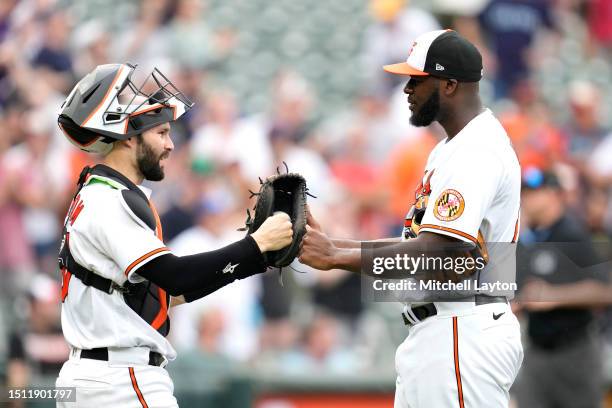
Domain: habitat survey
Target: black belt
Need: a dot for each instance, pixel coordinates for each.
(485, 300)
(155, 359)
(427, 310)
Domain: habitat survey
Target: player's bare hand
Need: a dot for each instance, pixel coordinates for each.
(275, 233)
(317, 250)
(310, 219)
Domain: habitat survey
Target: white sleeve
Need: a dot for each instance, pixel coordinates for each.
(122, 239)
(462, 191)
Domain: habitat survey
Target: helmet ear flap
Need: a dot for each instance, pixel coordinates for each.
(80, 136)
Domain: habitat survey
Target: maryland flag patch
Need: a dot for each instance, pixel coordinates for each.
(449, 205)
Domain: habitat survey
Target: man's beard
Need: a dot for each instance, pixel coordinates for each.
(148, 162)
(428, 112)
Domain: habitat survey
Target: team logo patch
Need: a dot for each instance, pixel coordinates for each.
(449, 205)
(412, 48)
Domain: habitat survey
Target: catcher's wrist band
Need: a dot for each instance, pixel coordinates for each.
(205, 271)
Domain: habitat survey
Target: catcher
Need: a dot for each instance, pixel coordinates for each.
(118, 277)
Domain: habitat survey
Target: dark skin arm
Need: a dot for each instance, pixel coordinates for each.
(349, 243)
(321, 252)
(341, 242)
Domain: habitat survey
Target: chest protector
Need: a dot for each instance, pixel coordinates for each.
(147, 299)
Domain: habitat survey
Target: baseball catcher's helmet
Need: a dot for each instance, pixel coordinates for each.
(106, 106)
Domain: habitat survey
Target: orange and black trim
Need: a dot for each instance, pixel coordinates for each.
(162, 314)
(158, 227)
(451, 230)
(65, 283)
(108, 91)
(137, 389)
(456, 359)
(144, 258)
(516, 230)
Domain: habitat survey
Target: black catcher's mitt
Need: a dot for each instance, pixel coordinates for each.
(283, 192)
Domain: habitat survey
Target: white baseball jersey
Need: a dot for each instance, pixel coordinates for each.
(475, 184)
(471, 190)
(105, 237)
(466, 355)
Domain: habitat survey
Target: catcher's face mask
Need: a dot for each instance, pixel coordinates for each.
(107, 105)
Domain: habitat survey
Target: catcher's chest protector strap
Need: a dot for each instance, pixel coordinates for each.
(144, 298)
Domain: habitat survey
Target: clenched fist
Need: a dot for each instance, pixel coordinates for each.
(275, 233)
(317, 250)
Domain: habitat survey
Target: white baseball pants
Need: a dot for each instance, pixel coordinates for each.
(463, 357)
(116, 384)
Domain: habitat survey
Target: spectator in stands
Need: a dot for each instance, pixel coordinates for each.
(53, 59)
(143, 40)
(403, 170)
(292, 105)
(597, 217)
(288, 128)
(5, 14)
(39, 349)
(339, 292)
(17, 261)
(180, 213)
(194, 44)
(211, 326)
(322, 350)
(38, 170)
(301, 159)
(396, 24)
(531, 127)
(225, 138)
(562, 364)
(510, 28)
(598, 168)
(354, 167)
(600, 23)
(191, 81)
(91, 45)
(15, 253)
(584, 130)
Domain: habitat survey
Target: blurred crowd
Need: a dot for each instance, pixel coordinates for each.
(547, 68)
